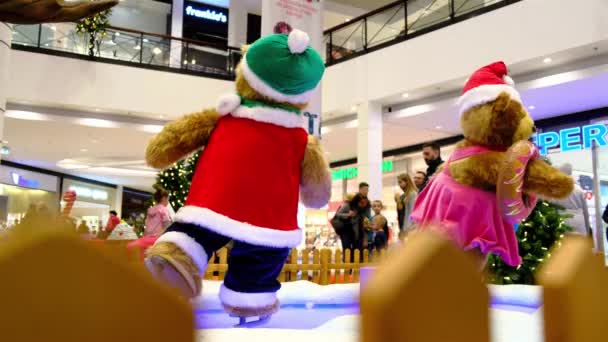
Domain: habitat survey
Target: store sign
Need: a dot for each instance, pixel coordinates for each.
(95, 194)
(207, 14)
(572, 139)
(23, 182)
(352, 172)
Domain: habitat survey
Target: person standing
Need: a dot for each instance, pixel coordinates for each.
(353, 216)
(405, 202)
(157, 220)
(419, 180)
(380, 227)
(431, 152)
(113, 221)
(575, 205)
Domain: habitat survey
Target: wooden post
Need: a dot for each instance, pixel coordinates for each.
(325, 257)
(575, 284)
(76, 302)
(305, 273)
(357, 267)
(223, 256)
(404, 299)
(316, 259)
(293, 275)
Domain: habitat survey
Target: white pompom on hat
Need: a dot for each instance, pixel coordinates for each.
(298, 41)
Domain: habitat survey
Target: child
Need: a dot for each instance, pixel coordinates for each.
(380, 226)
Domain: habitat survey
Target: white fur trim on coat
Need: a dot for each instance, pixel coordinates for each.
(246, 300)
(259, 85)
(269, 115)
(189, 246)
(240, 231)
(484, 94)
(227, 103)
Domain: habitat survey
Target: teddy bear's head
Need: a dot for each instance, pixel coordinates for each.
(280, 70)
(491, 110)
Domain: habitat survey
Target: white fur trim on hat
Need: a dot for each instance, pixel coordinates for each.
(508, 80)
(269, 115)
(189, 246)
(484, 94)
(298, 41)
(246, 300)
(227, 103)
(240, 231)
(259, 85)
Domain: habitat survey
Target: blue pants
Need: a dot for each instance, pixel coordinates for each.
(251, 269)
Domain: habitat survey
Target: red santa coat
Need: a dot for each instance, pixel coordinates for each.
(246, 183)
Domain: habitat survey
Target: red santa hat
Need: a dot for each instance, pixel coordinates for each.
(485, 85)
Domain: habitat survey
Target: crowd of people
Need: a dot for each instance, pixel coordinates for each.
(359, 221)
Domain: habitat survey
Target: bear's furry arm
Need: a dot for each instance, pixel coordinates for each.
(315, 185)
(180, 138)
(545, 180)
(478, 171)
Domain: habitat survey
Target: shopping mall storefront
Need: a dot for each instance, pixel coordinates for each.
(20, 189)
(564, 139)
(94, 201)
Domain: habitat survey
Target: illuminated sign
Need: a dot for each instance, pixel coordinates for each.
(95, 194)
(206, 14)
(352, 172)
(23, 182)
(573, 139)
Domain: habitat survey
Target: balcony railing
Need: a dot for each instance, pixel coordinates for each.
(399, 21)
(385, 26)
(128, 47)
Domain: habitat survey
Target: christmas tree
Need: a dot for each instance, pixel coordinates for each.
(176, 180)
(536, 235)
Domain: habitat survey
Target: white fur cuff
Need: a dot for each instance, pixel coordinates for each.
(246, 300)
(189, 246)
(228, 103)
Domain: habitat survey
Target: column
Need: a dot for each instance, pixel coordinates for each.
(5, 49)
(177, 24)
(237, 23)
(118, 200)
(369, 147)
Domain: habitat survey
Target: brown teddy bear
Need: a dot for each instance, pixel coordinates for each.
(257, 162)
(461, 202)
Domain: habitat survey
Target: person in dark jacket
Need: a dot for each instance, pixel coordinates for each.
(431, 152)
(354, 216)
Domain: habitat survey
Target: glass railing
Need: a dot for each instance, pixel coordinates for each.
(399, 21)
(125, 46)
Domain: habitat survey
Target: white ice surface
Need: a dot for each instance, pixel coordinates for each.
(506, 325)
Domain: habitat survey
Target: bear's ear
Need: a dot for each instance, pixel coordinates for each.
(244, 48)
(506, 115)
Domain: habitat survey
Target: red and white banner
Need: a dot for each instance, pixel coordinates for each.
(282, 16)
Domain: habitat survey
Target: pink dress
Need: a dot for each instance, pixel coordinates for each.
(468, 216)
(157, 220)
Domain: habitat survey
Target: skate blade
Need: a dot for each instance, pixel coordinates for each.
(243, 323)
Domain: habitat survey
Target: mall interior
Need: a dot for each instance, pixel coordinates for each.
(76, 116)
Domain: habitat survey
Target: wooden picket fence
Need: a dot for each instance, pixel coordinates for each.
(430, 282)
(323, 266)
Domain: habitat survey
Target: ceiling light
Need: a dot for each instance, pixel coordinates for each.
(193, 61)
(531, 107)
(146, 40)
(117, 34)
(405, 95)
(83, 150)
(137, 47)
(185, 62)
(96, 123)
(54, 28)
(69, 164)
(353, 108)
(438, 127)
(95, 141)
(23, 115)
(346, 20)
(156, 51)
(152, 128)
(547, 60)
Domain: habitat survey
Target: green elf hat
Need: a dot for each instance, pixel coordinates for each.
(283, 67)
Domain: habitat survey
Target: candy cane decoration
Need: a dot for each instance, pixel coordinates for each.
(69, 197)
(509, 188)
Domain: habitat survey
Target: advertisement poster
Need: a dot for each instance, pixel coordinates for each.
(282, 16)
